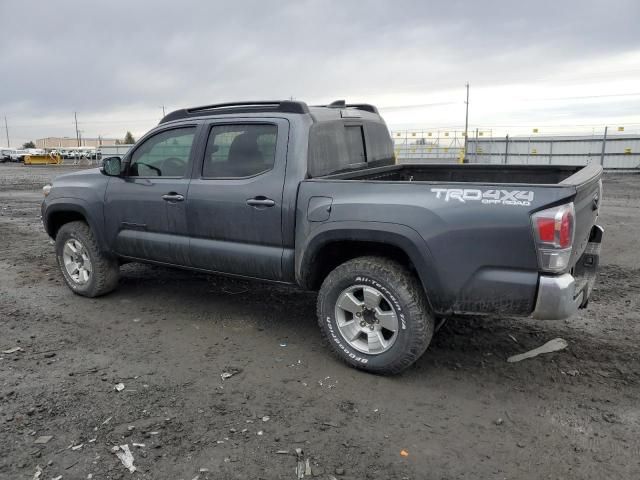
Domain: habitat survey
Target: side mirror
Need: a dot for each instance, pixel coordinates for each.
(111, 166)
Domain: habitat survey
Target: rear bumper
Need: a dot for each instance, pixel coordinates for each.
(560, 296)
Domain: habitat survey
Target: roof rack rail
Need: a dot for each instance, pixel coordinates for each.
(359, 106)
(284, 106)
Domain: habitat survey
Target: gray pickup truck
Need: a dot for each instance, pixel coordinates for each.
(312, 196)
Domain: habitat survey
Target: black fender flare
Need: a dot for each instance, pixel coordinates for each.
(76, 205)
(397, 235)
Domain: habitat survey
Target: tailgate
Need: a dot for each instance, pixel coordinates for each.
(588, 184)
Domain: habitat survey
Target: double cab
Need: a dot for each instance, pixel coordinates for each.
(312, 196)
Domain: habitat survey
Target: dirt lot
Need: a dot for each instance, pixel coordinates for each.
(167, 335)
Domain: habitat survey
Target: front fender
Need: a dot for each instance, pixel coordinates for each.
(75, 205)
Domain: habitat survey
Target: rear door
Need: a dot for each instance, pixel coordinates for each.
(145, 210)
(234, 209)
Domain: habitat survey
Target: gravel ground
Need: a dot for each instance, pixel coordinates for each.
(461, 412)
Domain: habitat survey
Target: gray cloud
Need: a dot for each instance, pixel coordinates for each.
(93, 57)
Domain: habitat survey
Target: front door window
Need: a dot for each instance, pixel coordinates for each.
(163, 155)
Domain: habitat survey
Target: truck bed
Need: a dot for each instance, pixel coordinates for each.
(480, 256)
(470, 173)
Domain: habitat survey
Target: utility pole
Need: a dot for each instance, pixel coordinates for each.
(163, 114)
(75, 116)
(6, 129)
(604, 144)
(466, 122)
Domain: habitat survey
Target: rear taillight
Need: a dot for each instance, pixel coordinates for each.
(553, 229)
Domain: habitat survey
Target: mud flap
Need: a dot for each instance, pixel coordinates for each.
(586, 269)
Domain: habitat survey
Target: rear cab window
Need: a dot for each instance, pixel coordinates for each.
(356, 149)
(340, 145)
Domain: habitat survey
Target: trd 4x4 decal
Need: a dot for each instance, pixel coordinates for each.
(501, 197)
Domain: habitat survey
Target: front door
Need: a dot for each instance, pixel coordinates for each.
(235, 199)
(145, 213)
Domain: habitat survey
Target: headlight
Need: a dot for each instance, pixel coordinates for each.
(46, 189)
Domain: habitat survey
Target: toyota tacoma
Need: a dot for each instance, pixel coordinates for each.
(312, 196)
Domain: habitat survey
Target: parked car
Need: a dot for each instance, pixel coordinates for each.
(311, 196)
(5, 155)
(18, 155)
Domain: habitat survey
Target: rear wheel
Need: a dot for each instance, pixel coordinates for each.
(374, 314)
(86, 270)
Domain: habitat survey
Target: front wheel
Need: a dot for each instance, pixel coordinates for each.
(86, 270)
(374, 314)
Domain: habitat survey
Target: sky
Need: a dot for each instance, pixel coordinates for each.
(557, 66)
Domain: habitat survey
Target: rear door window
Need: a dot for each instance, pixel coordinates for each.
(240, 150)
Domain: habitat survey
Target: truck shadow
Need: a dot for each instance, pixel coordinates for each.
(475, 345)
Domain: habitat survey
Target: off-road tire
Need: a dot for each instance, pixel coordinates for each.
(411, 305)
(105, 269)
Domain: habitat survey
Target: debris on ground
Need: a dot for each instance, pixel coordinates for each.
(301, 464)
(328, 385)
(43, 439)
(551, 346)
(140, 445)
(440, 325)
(266, 418)
(230, 372)
(38, 473)
(404, 453)
(106, 421)
(125, 456)
(77, 447)
(119, 387)
(13, 350)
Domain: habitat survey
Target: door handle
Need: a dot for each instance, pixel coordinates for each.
(260, 202)
(173, 197)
